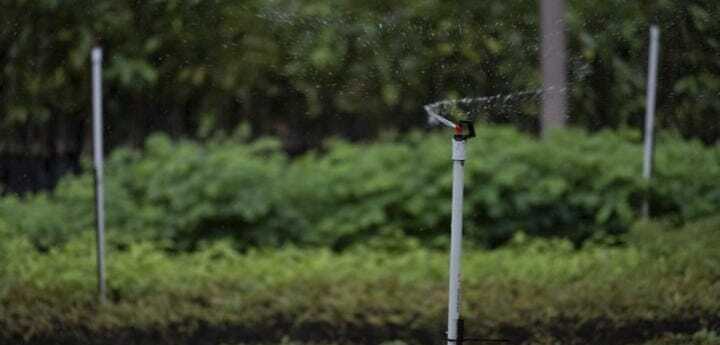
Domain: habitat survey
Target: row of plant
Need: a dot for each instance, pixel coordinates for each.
(660, 282)
(183, 193)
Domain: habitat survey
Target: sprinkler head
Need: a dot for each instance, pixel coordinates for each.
(464, 130)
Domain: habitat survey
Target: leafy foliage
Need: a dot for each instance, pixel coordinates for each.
(525, 290)
(307, 69)
(392, 193)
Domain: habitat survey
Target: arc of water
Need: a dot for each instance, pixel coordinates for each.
(434, 110)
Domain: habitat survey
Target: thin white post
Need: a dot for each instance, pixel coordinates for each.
(650, 112)
(98, 167)
(458, 157)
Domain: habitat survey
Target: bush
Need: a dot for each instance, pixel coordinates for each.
(395, 192)
(537, 290)
(572, 185)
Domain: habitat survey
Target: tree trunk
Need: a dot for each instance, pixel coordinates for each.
(553, 60)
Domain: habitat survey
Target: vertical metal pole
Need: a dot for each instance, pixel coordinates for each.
(98, 167)
(458, 157)
(650, 113)
(553, 60)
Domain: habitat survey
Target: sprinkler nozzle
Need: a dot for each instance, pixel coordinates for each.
(464, 130)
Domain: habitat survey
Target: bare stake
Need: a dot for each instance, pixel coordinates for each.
(98, 169)
(650, 114)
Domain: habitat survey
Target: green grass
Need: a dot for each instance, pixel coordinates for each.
(662, 286)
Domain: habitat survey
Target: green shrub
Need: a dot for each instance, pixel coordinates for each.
(391, 193)
(686, 175)
(189, 192)
(572, 185)
(541, 288)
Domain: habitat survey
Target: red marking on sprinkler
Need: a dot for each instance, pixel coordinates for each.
(458, 129)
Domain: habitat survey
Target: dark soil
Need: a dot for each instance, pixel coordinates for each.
(563, 330)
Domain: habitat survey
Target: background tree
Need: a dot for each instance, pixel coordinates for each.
(307, 70)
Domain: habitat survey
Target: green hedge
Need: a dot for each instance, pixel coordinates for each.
(542, 291)
(572, 185)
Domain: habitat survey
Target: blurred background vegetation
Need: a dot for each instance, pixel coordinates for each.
(306, 70)
(183, 194)
(270, 176)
